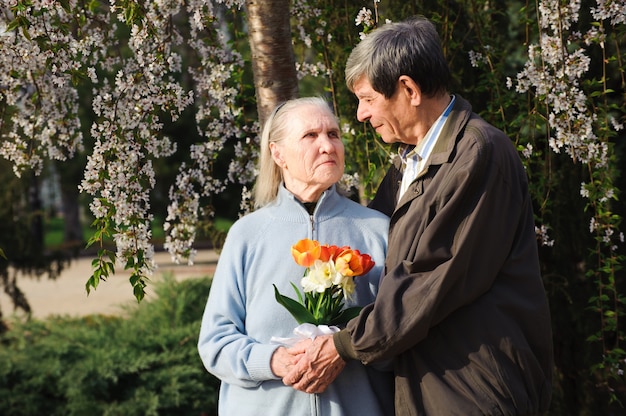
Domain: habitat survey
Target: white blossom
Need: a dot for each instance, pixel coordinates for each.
(364, 17)
(543, 237)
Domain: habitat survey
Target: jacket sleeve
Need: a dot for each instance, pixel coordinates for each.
(224, 347)
(449, 247)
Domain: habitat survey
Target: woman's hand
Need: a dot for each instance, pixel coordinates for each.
(282, 362)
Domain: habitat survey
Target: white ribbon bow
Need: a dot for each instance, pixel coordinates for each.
(304, 331)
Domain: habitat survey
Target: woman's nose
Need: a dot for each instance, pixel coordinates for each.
(326, 144)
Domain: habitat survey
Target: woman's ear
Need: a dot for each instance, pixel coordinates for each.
(275, 151)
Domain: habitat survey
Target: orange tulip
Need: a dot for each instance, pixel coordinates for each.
(366, 262)
(353, 263)
(329, 252)
(306, 251)
(347, 263)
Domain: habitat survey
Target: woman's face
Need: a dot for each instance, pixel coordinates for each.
(311, 156)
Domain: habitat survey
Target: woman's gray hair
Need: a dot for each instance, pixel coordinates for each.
(411, 47)
(276, 128)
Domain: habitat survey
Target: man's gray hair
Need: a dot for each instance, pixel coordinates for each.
(411, 47)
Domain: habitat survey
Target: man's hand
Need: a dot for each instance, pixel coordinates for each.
(281, 362)
(316, 366)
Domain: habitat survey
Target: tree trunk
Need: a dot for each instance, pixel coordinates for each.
(73, 231)
(273, 61)
(36, 210)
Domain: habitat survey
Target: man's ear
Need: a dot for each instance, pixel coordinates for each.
(275, 151)
(410, 89)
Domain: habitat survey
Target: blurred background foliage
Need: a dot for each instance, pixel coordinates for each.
(145, 363)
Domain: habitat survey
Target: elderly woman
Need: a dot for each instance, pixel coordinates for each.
(302, 159)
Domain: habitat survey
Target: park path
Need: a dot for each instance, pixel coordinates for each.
(67, 296)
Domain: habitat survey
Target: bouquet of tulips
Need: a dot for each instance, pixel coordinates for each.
(327, 281)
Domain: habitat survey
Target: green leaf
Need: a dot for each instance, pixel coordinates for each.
(92, 282)
(130, 263)
(139, 284)
(93, 6)
(297, 310)
(295, 288)
(25, 32)
(345, 315)
(109, 267)
(13, 25)
(66, 5)
(139, 292)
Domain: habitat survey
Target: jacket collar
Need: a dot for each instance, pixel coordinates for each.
(442, 151)
(457, 120)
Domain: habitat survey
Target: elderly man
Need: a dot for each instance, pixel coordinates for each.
(461, 310)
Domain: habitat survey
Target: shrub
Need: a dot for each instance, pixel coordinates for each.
(145, 363)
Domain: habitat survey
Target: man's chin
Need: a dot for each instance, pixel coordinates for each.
(388, 139)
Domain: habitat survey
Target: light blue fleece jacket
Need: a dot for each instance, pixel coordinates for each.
(242, 314)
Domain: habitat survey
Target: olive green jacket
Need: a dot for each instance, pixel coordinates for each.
(461, 309)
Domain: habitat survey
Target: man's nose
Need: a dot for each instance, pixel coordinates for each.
(362, 114)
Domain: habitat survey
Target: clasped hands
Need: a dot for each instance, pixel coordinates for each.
(310, 365)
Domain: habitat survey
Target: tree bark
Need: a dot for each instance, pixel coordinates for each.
(73, 231)
(273, 61)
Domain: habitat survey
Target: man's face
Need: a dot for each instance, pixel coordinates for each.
(390, 117)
